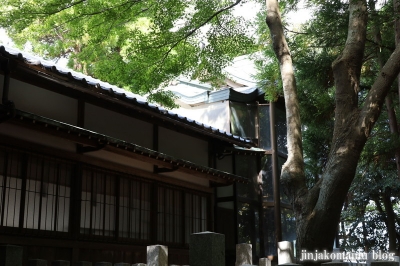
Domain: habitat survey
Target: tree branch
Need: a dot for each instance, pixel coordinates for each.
(196, 28)
(376, 96)
(58, 10)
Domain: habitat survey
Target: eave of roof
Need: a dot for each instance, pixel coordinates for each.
(59, 74)
(228, 94)
(81, 135)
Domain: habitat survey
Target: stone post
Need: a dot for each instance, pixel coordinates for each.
(264, 262)
(370, 258)
(60, 263)
(157, 255)
(82, 263)
(207, 248)
(285, 252)
(103, 263)
(11, 255)
(338, 256)
(244, 254)
(37, 262)
(335, 264)
(122, 264)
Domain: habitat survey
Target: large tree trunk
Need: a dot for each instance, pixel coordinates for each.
(318, 210)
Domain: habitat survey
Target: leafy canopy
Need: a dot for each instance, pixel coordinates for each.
(136, 44)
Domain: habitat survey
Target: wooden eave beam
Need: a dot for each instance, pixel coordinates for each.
(78, 138)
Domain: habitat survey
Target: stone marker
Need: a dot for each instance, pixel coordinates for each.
(103, 263)
(207, 249)
(60, 263)
(338, 258)
(370, 258)
(335, 264)
(10, 255)
(244, 254)
(264, 262)
(82, 263)
(285, 252)
(157, 255)
(122, 264)
(37, 262)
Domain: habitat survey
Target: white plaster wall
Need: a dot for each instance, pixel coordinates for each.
(214, 114)
(118, 126)
(43, 102)
(183, 146)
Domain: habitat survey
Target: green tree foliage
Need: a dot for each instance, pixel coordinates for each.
(136, 44)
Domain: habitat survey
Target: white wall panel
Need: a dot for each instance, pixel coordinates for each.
(43, 102)
(214, 114)
(182, 146)
(118, 126)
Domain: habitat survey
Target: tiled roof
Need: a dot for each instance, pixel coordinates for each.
(116, 92)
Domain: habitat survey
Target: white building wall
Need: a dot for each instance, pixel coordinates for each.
(214, 114)
(43, 102)
(118, 126)
(182, 146)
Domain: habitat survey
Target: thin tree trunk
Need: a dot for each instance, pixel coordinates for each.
(390, 216)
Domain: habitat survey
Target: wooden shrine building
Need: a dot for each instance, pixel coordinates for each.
(90, 172)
